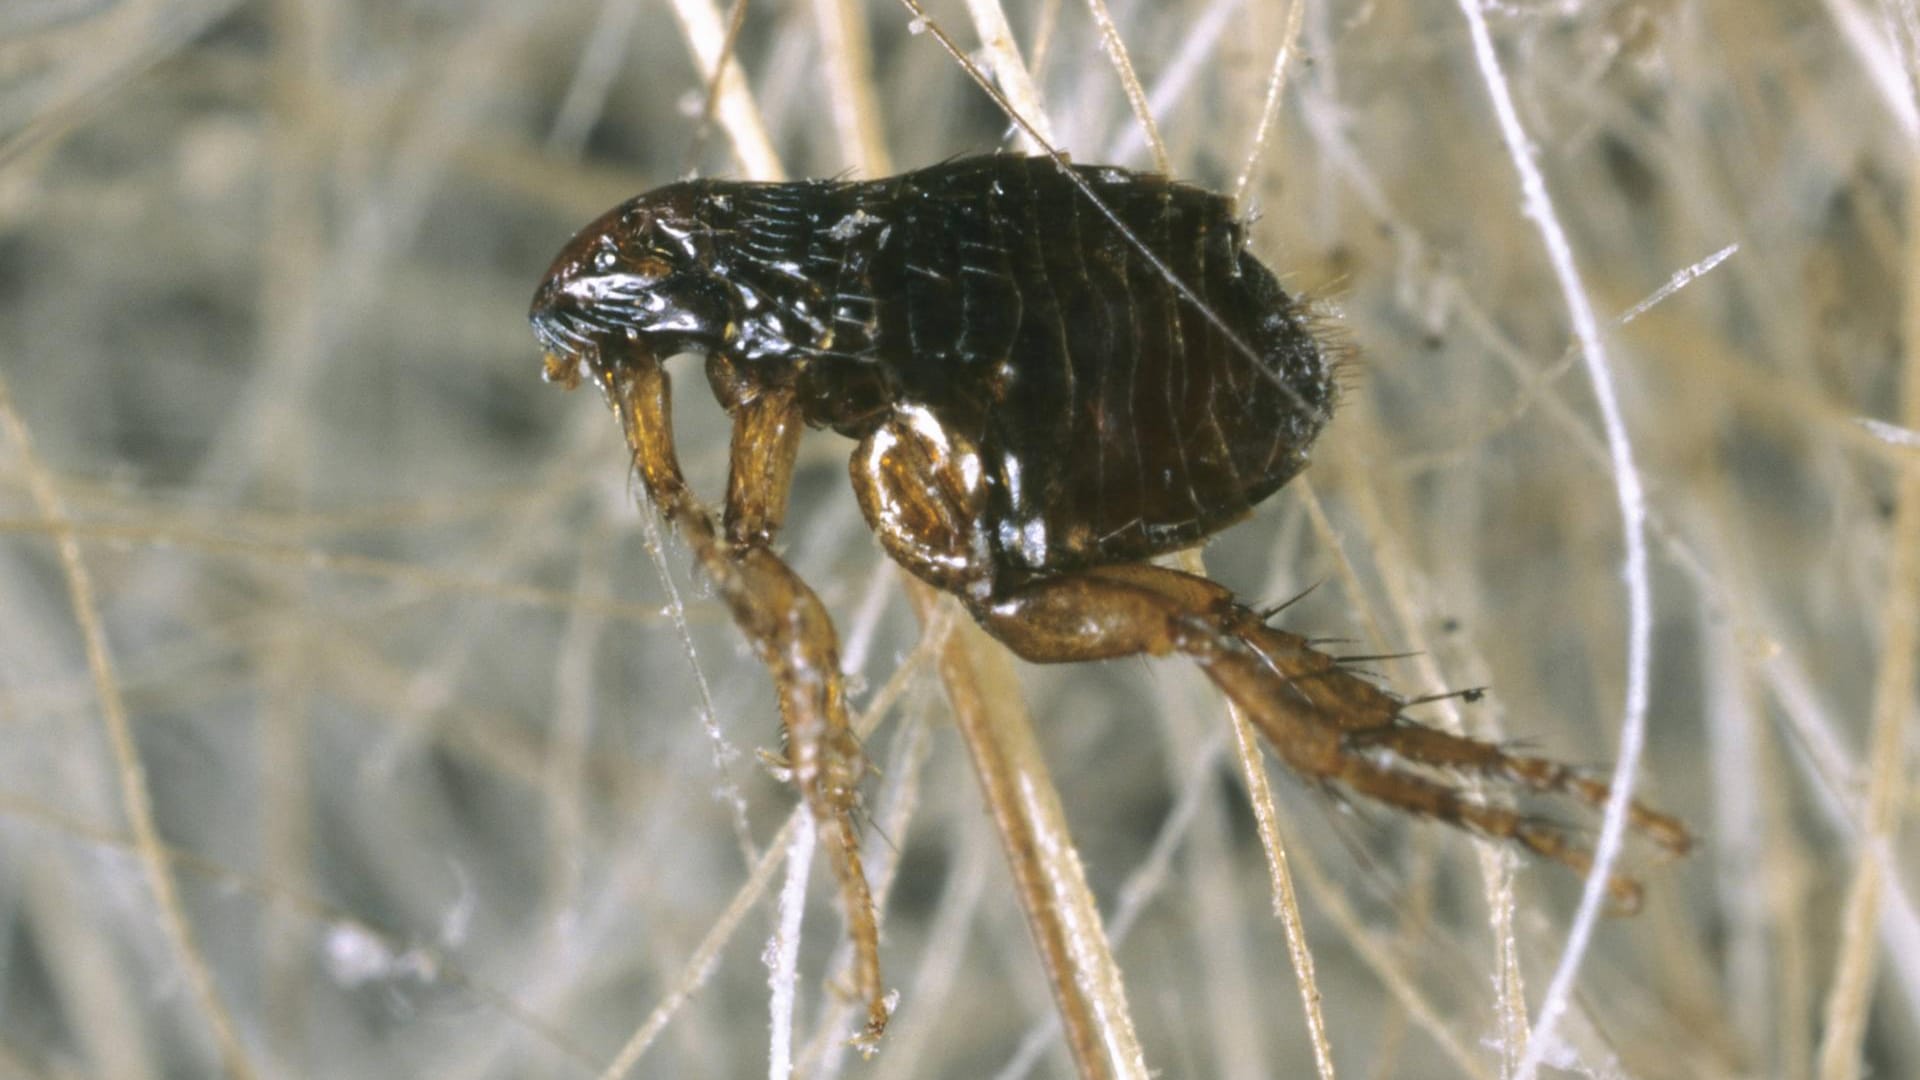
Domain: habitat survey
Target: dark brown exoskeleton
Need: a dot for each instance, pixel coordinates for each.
(1046, 391)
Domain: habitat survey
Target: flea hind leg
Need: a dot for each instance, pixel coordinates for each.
(922, 495)
(1423, 745)
(1328, 724)
(781, 617)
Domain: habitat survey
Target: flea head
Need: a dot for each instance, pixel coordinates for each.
(629, 288)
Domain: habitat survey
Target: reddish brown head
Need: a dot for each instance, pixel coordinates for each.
(630, 288)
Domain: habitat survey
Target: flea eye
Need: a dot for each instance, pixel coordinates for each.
(604, 259)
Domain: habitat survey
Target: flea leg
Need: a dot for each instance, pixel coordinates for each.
(922, 495)
(1429, 746)
(1372, 719)
(1328, 724)
(780, 616)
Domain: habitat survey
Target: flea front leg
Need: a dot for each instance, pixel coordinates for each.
(780, 616)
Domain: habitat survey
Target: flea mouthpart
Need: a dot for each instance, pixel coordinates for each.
(564, 370)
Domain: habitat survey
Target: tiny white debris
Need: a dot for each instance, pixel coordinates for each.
(355, 955)
(917, 25)
(849, 226)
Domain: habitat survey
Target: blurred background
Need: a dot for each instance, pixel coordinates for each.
(398, 755)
